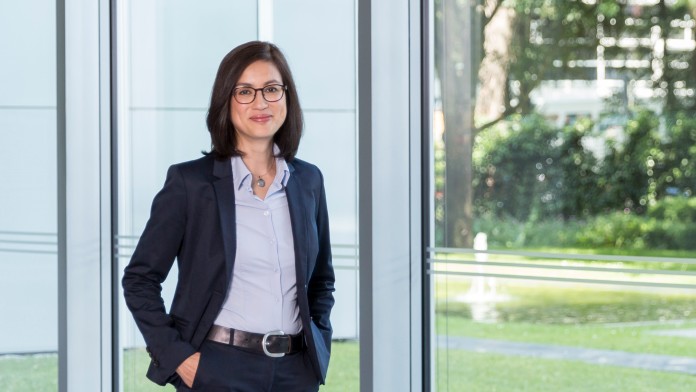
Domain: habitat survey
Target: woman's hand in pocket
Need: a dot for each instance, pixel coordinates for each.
(187, 370)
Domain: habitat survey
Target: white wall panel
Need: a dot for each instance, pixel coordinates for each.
(318, 37)
(28, 170)
(28, 277)
(160, 138)
(330, 143)
(28, 287)
(176, 47)
(28, 53)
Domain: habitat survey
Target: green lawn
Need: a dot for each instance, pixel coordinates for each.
(469, 371)
(585, 316)
(630, 339)
(29, 373)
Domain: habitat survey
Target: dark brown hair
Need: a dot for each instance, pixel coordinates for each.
(223, 137)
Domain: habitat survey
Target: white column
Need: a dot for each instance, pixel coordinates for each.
(265, 20)
(84, 211)
(390, 195)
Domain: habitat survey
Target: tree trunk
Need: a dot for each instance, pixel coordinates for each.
(459, 65)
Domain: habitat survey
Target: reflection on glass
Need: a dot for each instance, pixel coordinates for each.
(563, 142)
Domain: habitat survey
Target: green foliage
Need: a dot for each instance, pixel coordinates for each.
(669, 224)
(628, 172)
(616, 230)
(677, 171)
(674, 209)
(527, 170)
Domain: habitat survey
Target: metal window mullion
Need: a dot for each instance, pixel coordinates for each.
(79, 229)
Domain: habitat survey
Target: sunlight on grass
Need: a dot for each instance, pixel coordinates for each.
(469, 371)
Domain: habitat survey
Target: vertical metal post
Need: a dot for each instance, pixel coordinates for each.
(83, 219)
(427, 187)
(365, 191)
(61, 197)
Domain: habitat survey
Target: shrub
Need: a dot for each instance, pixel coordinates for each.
(669, 224)
(618, 230)
(676, 209)
(671, 235)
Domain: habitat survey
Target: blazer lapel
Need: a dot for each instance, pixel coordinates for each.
(224, 190)
(293, 191)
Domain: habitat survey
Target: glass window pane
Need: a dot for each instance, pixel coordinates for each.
(563, 210)
(330, 142)
(28, 221)
(169, 52)
(168, 55)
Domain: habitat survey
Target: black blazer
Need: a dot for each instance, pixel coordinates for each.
(193, 221)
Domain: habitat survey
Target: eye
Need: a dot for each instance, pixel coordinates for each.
(271, 89)
(245, 91)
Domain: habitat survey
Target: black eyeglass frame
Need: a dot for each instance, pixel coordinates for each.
(283, 89)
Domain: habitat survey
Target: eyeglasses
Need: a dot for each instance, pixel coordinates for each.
(271, 93)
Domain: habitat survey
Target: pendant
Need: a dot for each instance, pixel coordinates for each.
(261, 182)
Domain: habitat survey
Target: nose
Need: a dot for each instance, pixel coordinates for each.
(259, 100)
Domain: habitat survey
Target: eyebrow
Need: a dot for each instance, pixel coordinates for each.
(272, 81)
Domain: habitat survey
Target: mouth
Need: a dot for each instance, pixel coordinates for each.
(261, 118)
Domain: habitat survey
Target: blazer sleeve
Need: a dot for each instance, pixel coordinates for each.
(148, 268)
(321, 284)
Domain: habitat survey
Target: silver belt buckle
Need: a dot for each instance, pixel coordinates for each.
(264, 343)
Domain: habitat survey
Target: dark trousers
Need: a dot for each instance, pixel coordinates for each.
(228, 368)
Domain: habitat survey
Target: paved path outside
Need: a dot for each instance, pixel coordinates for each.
(665, 363)
(682, 333)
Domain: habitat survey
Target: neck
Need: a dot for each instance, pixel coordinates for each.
(260, 161)
(257, 157)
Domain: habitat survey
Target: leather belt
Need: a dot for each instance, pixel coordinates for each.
(273, 344)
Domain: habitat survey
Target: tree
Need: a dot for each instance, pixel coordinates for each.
(491, 54)
(455, 68)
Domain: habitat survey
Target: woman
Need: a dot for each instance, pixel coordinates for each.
(248, 227)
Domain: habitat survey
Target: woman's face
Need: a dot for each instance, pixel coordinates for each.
(259, 120)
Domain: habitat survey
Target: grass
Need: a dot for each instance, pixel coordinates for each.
(29, 373)
(587, 316)
(590, 317)
(629, 339)
(566, 305)
(469, 371)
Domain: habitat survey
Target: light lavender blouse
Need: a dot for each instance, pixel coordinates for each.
(263, 293)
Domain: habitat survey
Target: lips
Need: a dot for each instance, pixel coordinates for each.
(261, 118)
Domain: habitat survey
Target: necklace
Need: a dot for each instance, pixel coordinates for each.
(261, 182)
